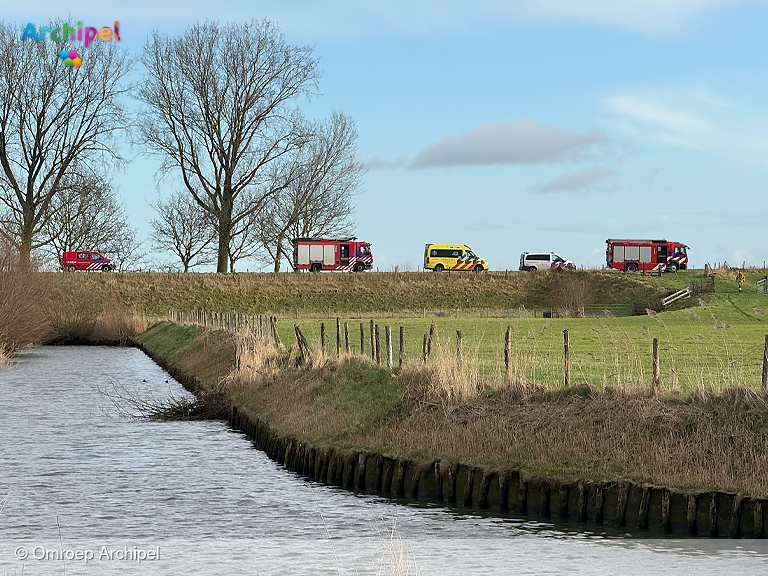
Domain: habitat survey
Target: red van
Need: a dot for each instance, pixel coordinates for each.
(86, 260)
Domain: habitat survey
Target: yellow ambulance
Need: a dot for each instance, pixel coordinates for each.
(439, 257)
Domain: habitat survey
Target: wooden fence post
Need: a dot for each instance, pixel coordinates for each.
(765, 363)
(362, 339)
(402, 346)
(338, 336)
(302, 343)
(459, 352)
(322, 337)
(508, 352)
(567, 359)
(429, 339)
(373, 343)
(655, 362)
(388, 338)
(424, 350)
(377, 346)
(347, 346)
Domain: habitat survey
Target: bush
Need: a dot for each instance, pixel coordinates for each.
(24, 301)
(570, 293)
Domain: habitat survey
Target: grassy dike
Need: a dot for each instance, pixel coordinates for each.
(326, 295)
(681, 464)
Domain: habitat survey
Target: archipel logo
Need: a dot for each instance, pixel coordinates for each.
(70, 58)
(64, 32)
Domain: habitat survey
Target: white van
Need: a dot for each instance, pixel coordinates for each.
(533, 261)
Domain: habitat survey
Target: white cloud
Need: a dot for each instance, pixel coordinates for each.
(696, 120)
(590, 179)
(523, 141)
(676, 127)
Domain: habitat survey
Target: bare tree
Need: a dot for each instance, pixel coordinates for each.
(55, 122)
(244, 242)
(184, 229)
(319, 198)
(85, 215)
(217, 111)
(126, 248)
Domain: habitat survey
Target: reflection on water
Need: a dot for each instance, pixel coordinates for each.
(209, 503)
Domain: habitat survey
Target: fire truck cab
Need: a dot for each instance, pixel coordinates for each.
(633, 255)
(316, 254)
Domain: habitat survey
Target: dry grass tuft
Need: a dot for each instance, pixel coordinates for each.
(255, 358)
(397, 559)
(444, 380)
(89, 321)
(117, 322)
(24, 299)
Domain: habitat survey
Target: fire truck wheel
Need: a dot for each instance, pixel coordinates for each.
(71, 268)
(631, 267)
(359, 267)
(315, 267)
(439, 268)
(672, 267)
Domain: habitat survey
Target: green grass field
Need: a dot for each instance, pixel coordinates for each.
(716, 345)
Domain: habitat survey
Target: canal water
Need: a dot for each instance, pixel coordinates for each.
(86, 490)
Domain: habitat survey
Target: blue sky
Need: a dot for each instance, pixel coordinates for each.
(521, 125)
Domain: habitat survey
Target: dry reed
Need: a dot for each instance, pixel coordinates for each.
(444, 379)
(24, 299)
(87, 321)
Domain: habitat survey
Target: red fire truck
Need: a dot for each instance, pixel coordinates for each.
(315, 254)
(633, 255)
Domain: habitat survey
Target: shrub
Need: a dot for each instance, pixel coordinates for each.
(569, 293)
(24, 301)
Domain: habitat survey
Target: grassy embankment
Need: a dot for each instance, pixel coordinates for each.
(708, 431)
(377, 294)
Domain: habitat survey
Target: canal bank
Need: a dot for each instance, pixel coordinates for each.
(198, 358)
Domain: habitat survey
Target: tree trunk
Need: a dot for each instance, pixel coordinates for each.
(25, 244)
(225, 230)
(278, 253)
